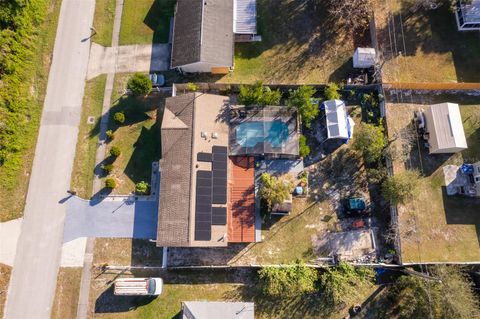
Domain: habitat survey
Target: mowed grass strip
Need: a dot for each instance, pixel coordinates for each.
(138, 137)
(67, 292)
(5, 272)
(146, 21)
(84, 163)
(14, 181)
(103, 22)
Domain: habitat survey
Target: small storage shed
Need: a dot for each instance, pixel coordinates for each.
(339, 124)
(444, 126)
(364, 58)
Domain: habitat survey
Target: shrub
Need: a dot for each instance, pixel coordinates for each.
(139, 84)
(304, 149)
(119, 117)
(401, 187)
(370, 140)
(275, 190)
(289, 281)
(342, 282)
(376, 175)
(107, 168)
(141, 188)
(110, 135)
(301, 98)
(258, 94)
(115, 151)
(192, 87)
(110, 183)
(332, 92)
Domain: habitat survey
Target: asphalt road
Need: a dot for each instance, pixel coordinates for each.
(34, 277)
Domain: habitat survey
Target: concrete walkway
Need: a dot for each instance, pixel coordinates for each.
(9, 234)
(128, 58)
(34, 277)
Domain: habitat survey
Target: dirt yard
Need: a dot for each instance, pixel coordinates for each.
(5, 272)
(66, 296)
(436, 227)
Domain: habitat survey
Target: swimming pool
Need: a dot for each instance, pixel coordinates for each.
(249, 134)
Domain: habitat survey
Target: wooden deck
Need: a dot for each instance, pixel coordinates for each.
(241, 206)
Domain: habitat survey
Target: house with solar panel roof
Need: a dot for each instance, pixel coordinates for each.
(207, 169)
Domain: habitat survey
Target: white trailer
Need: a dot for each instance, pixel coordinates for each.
(138, 286)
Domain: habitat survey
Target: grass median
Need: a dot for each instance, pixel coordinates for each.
(84, 164)
(67, 293)
(103, 21)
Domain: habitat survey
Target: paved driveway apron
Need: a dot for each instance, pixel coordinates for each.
(121, 219)
(34, 277)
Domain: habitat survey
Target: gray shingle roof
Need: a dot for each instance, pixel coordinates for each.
(203, 31)
(175, 173)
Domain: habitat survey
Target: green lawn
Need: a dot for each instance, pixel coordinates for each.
(300, 44)
(435, 51)
(138, 138)
(146, 21)
(84, 163)
(14, 179)
(103, 21)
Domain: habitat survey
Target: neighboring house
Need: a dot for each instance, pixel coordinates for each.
(217, 310)
(204, 33)
(339, 124)
(468, 15)
(444, 129)
(207, 184)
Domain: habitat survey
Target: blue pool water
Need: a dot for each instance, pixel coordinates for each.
(249, 134)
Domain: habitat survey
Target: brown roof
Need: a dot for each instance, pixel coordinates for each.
(175, 171)
(241, 207)
(203, 32)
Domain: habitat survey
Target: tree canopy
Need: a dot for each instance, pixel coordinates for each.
(370, 140)
(258, 94)
(304, 149)
(332, 91)
(401, 187)
(275, 190)
(301, 98)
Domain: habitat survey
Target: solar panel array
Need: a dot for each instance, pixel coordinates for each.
(203, 206)
(219, 216)
(219, 171)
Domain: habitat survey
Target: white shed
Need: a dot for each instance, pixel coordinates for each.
(445, 128)
(339, 124)
(364, 58)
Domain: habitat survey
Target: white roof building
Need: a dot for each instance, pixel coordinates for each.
(467, 14)
(245, 16)
(217, 310)
(445, 128)
(364, 58)
(339, 124)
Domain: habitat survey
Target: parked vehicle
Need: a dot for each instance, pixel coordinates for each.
(138, 286)
(356, 205)
(157, 79)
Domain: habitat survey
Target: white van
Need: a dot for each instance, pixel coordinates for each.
(138, 286)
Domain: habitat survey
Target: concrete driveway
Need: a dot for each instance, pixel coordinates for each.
(110, 219)
(128, 58)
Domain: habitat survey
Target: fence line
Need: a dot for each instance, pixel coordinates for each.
(431, 86)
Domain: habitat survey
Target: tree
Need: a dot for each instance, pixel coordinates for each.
(141, 187)
(370, 140)
(110, 135)
(301, 99)
(332, 91)
(110, 183)
(449, 297)
(258, 94)
(289, 281)
(115, 151)
(353, 14)
(192, 87)
(401, 187)
(119, 117)
(275, 190)
(304, 149)
(342, 282)
(139, 84)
